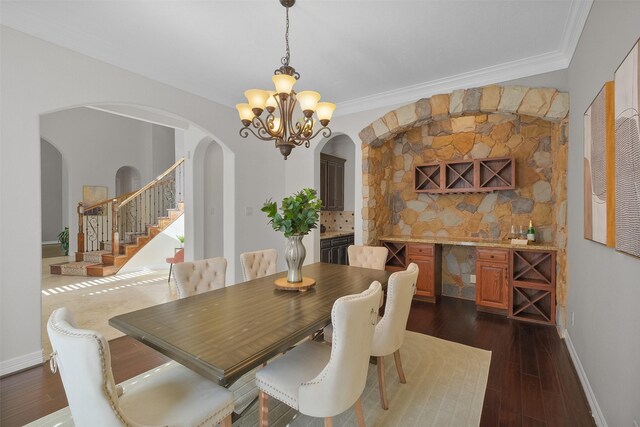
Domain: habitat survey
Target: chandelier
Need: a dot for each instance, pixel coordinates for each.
(280, 126)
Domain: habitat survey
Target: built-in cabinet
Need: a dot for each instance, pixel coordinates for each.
(334, 250)
(518, 282)
(332, 182)
(492, 279)
(427, 257)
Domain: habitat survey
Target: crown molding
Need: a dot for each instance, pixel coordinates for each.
(544, 63)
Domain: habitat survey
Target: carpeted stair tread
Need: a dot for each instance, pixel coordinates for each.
(76, 268)
(94, 256)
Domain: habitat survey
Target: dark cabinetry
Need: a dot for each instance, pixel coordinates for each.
(332, 182)
(492, 279)
(334, 250)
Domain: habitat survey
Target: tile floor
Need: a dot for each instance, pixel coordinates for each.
(94, 300)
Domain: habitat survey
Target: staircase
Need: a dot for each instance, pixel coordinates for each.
(111, 232)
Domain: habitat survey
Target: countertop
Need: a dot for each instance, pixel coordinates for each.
(332, 234)
(469, 241)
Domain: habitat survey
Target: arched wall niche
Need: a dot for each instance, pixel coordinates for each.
(529, 124)
(127, 180)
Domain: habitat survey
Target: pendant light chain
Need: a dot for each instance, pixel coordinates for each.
(285, 60)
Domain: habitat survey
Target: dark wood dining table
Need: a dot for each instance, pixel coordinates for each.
(225, 333)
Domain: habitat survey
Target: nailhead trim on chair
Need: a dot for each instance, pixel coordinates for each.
(103, 364)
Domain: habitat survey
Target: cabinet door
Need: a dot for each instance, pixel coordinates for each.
(335, 255)
(492, 287)
(340, 186)
(331, 186)
(323, 183)
(325, 255)
(426, 276)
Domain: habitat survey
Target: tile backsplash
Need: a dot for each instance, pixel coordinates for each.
(337, 220)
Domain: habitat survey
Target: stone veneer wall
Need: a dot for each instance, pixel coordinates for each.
(494, 121)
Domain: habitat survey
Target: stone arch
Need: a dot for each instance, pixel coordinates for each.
(546, 103)
(454, 127)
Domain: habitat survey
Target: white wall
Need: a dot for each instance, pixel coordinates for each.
(604, 287)
(39, 78)
(342, 146)
(213, 201)
(51, 183)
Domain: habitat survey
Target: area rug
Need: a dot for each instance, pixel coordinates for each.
(445, 386)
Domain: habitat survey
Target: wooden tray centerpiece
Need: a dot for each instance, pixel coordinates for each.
(282, 284)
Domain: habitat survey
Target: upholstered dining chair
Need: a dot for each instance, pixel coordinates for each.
(368, 256)
(200, 276)
(170, 395)
(259, 263)
(177, 258)
(319, 380)
(389, 331)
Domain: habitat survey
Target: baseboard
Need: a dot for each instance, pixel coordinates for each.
(596, 412)
(22, 362)
(53, 242)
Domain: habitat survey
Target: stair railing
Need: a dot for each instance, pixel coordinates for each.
(122, 219)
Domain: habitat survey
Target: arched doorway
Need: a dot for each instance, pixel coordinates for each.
(127, 180)
(53, 176)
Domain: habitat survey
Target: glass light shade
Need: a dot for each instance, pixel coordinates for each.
(324, 110)
(245, 111)
(257, 98)
(308, 100)
(283, 82)
(271, 101)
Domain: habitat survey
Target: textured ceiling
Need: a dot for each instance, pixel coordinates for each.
(353, 52)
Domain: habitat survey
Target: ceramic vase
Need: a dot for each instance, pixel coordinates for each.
(294, 255)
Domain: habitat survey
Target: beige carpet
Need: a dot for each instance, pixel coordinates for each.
(445, 386)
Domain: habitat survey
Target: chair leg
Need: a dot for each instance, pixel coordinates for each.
(396, 356)
(328, 422)
(226, 422)
(359, 414)
(383, 390)
(170, 268)
(263, 409)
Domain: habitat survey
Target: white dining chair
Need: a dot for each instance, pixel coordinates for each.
(195, 277)
(374, 257)
(319, 380)
(258, 263)
(389, 331)
(171, 395)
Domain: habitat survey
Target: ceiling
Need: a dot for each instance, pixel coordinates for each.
(359, 54)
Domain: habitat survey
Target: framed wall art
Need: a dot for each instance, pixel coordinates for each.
(599, 168)
(627, 147)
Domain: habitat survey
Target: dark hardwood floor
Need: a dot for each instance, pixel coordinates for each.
(532, 381)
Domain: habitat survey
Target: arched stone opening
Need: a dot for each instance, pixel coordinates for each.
(526, 123)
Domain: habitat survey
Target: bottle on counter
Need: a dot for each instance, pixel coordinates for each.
(531, 232)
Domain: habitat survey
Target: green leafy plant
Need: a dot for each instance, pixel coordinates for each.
(63, 238)
(299, 213)
(180, 237)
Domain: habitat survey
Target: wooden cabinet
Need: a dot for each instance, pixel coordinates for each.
(492, 279)
(332, 182)
(428, 258)
(532, 295)
(334, 250)
(464, 176)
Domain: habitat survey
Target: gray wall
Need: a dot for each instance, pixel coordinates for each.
(163, 149)
(51, 197)
(604, 285)
(213, 202)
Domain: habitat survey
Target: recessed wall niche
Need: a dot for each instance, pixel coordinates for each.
(528, 124)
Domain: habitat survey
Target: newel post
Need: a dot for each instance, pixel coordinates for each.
(80, 227)
(115, 236)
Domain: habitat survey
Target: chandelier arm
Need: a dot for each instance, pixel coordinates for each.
(292, 131)
(262, 128)
(244, 132)
(282, 106)
(326, 132)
